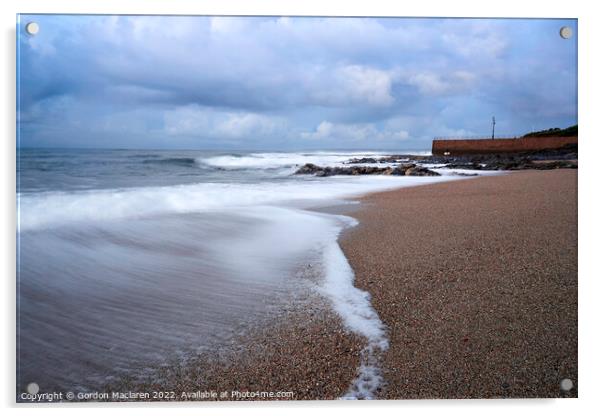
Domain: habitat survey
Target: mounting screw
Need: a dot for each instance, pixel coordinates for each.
(32, 28)
(566, 32)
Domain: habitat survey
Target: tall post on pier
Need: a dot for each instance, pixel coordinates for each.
(492, 127)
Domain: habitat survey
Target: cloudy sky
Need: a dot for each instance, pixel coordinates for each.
(289, 83)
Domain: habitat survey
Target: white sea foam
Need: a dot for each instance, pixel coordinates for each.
(50, 209)
(284, 160)
(354, 307)
(272, 243)
(447, 172)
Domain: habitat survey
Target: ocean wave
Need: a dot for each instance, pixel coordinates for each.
(282, 160)
(51, 209)
(178, 161)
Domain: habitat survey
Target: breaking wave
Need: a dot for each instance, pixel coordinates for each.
(282, 160)
(49, 209)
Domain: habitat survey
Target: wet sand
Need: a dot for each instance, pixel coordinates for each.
(477, 283)
(305, 354)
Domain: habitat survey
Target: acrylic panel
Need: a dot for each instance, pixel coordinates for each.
(295, 208)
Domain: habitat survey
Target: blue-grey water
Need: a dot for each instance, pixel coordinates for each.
(130, 258)
(76, 169)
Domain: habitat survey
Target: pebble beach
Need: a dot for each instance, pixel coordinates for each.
(476, 281)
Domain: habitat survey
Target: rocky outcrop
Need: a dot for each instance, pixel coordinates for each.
(409, 165)
(415, 170)
(356, 160)
(509, 161)
(515, 165)
(410, 169)
(387, 159)
(488, 161)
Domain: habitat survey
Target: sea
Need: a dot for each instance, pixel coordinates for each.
(128, 259)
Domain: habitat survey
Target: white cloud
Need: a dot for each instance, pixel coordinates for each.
(349, 85)
(476, 39)
(353, 132)
(369, 85)
(193, 120)
(431, 83)
(226, 25)
(241, 125)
